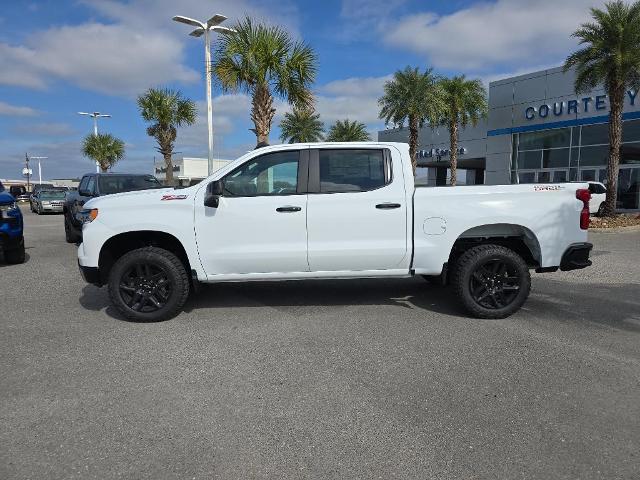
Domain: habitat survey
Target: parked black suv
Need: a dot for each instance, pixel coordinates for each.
(96, 185)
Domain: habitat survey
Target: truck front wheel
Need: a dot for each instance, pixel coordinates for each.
(148, 284)
(491, 281)
(15, 255)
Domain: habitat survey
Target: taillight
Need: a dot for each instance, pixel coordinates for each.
(584, 195)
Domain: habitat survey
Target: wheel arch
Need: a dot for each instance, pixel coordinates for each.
(516, 237)
(119, 244)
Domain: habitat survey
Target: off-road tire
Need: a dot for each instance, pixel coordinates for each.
(162, 259)
(15, 255)
(474, 259)
(69, 235)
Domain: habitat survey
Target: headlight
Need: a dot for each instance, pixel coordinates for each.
(8, 206)
(88, 216)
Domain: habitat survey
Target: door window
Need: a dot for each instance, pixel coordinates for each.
(83, 183)
(91, 185)
(353, 170)
(271, 174)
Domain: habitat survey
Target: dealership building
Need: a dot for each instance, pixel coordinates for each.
(537, 131)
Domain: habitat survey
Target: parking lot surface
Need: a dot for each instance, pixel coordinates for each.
(332, 379)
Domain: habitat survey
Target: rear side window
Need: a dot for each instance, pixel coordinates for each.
(353, 170)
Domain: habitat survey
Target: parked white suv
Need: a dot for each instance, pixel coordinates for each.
(331, 210)
(598, 196)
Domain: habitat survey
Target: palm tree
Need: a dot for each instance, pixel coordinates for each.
(610, 56)
(103, 148)
(166, 110)
(411, 96)
(301, 126)
(346, 131)
(264, 61)
(465, 102)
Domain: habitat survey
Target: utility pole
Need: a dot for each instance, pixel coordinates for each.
(26, 159)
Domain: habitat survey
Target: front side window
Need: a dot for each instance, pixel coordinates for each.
(83, 183)
(353, 170)
(271, 174)
(91, 185)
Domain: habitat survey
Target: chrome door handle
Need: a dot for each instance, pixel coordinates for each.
(288, 209)
(388, 206)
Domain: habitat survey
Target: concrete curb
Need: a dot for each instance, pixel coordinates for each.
(630, 228)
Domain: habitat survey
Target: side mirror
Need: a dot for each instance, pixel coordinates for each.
(85, 193)
(214, 191)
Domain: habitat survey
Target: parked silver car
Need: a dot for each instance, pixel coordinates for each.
(48, 201)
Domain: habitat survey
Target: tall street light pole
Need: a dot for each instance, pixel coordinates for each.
(95, 116)
(203, 28)
(39, 167)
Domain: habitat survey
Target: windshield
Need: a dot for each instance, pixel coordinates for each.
(52, 195)
(124, 183)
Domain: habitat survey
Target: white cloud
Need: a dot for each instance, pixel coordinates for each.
(352, 98)
(504, 34)
(53, 129)
(16, 110)
(110, 59)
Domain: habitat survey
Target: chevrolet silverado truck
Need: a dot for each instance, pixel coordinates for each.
(331, 210)
(95, 185)
(11, 228)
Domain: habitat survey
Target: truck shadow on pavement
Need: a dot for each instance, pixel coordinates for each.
(611, 305)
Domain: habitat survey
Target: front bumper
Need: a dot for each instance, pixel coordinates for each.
(576, 257)
(52, 208)
(90, 275)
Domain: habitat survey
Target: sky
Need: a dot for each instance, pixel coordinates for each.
(59, 57)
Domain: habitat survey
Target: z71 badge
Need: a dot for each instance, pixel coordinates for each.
(174, 197)
(547, 188)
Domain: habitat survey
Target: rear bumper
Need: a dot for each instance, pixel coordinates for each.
(576, 257)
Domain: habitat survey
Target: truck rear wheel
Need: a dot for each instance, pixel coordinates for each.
(148, 284)
(492, 281)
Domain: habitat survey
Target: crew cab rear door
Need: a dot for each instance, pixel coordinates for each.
(357, 210)
(259, 226)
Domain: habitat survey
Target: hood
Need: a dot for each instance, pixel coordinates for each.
(6, 197)
(140, 197)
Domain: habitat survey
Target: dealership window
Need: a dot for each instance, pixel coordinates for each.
(594, 156)
(630, 131)
(595, 134)
(557, 138)
(555, 158)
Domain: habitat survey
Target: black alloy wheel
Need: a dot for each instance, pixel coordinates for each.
(491, 281)
(494, 284)
(148, 284)
(145, 287)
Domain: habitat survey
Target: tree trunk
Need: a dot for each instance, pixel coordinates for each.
(103, 169)
(262, 113)
(413, 142)
(615, 139)
(453, 154)
(168, 178)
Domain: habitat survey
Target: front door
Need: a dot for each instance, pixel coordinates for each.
(357, 211)
(259, 226)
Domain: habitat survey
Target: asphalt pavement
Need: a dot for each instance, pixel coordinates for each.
(329, 379)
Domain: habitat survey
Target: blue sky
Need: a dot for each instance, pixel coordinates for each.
(58, 57)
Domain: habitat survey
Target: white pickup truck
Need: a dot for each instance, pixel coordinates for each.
(330, 210)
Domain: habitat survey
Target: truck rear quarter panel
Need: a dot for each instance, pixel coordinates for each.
(443, 214)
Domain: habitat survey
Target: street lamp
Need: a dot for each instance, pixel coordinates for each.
(95, 116)
(203, 28)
